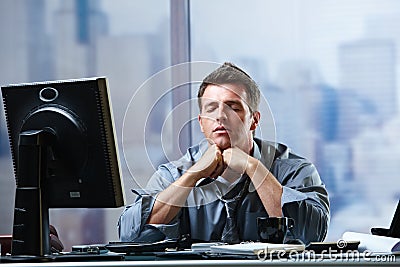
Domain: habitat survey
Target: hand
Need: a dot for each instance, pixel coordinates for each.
(236, 161)
(55, 243)
(211, 163)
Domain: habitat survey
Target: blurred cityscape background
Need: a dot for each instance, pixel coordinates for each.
(328, 69)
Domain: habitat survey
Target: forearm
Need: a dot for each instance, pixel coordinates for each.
(311, 219)
(267, 186)
(170, 201)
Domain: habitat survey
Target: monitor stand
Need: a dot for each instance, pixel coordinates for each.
(31, 235)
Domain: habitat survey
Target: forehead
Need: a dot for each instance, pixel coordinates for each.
(225, 92)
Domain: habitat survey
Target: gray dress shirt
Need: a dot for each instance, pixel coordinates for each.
(304, 199)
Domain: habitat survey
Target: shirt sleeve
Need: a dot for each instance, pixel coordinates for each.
(304, 199)
(132, 224)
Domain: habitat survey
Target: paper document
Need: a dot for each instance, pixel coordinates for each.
(255, 248)
(374, 243)
(204, 247)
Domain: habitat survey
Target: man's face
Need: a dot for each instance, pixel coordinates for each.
(225, 117)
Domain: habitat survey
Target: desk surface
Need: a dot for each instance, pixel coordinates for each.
(195, 263)
(389, 260)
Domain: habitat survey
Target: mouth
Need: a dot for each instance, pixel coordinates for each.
(220, 130)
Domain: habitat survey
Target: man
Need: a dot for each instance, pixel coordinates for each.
(219, 188)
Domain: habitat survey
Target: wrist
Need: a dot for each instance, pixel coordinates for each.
(251, 166)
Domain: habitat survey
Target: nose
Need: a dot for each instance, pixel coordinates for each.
(221, 115)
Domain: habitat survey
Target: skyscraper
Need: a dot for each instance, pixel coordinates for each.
(368, 67)
(77, 26)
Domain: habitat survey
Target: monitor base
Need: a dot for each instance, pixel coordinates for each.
(67, 257)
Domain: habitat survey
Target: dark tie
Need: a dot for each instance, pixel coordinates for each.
(231, 200)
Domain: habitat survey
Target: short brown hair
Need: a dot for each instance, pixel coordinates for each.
(230, 73)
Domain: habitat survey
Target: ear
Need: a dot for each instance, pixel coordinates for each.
(256, 120)
(200, 122)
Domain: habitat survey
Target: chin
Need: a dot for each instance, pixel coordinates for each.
(222, 144)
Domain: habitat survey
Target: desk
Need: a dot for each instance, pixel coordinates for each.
(197, 263)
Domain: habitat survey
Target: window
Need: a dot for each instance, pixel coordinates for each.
(329, 71)
(126, 41)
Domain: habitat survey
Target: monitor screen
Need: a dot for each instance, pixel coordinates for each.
(64, 153)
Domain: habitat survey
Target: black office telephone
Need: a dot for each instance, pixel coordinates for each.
(394, 230)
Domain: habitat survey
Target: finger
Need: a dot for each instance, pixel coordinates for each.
(56, 244)
(218, 170)
(217, 151)
(227, 155)
(53, 230)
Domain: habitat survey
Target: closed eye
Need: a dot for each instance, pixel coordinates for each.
(210, 107)
(235, 106)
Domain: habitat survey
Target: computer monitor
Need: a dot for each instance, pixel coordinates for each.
(64, 154)
(394, 229)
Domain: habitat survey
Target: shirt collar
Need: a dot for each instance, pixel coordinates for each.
(256, 151)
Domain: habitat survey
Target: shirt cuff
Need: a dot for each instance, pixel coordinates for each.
(169, 230)
(291, 195)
